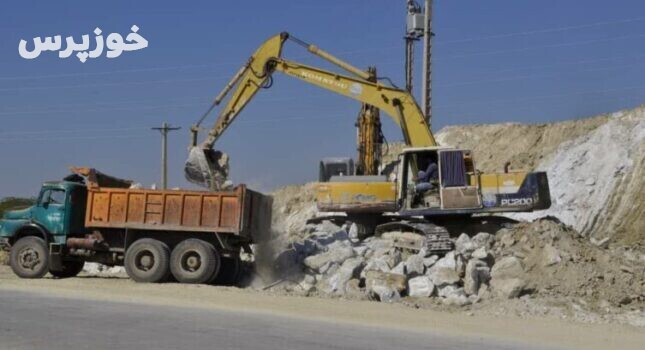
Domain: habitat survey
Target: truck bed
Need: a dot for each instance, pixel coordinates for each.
(241, 212)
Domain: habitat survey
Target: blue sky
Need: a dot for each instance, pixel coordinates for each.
(494, 61)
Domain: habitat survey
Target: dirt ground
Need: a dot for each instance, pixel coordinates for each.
(537, 330)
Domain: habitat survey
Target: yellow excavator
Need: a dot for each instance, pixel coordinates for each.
(429, 184)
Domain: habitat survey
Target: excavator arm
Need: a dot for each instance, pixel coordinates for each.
(206, 166)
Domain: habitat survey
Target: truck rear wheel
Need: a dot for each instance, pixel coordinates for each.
(29, 257)
(195, 261)
(146, 260)
(70, 269)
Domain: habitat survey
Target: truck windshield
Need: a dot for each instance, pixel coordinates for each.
(53, 196)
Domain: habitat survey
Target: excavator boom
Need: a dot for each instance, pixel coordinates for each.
(207, 167)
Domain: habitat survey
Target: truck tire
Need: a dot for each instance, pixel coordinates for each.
(229, 273)
(70, 269)
(147, 260)
(29, 257)
(195, 261)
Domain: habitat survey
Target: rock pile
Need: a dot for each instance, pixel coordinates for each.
(330, 262)
(542, 258)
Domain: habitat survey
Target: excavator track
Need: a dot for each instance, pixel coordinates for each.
(415, 235)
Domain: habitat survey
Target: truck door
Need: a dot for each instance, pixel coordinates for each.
(50, 210)
(76, 211)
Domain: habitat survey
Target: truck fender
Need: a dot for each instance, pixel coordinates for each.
(30, 229)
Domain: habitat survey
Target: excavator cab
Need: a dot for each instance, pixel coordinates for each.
(459, 188)
(437, 178)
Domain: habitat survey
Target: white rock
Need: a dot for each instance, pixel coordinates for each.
(378, 243)
(414, 265)
(483, 239)
(333, 255)
(429, 261)
(400, 268)
(550, 256)
(448, 261)
(450, 290)
(360, 250)
(375, 265)
(387, 287)
(420, 287)
(508, 267)
(328, 226)
(443, 276)
(353, 231)
(464, 245)
(348, 270)
(460, 264)
(508, 288)
(354, 291)
(477, 273)
(507, 240)
(100, 269)
(385, 294)
(456, 300)
(481, 253)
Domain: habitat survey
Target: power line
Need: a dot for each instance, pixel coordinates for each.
(533, 76)
(134, 70)
(109, 84)
(540, 97)
(340, 116)
(528, 48)
(64, 131)
(543, 31)
(94, 137)
(579, 62)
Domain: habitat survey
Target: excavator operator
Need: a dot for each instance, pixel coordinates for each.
(426, 180)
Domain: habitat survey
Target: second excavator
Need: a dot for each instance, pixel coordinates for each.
(429, 184)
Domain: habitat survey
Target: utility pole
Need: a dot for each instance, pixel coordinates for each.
(415, 25)
(164, 129)
(419, 25)
(427, 63)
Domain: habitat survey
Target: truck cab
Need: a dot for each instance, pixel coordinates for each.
(59, 211)
(36, 235)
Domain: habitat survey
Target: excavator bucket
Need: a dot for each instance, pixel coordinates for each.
(207, 168)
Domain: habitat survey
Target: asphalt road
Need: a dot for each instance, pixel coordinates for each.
(40, 321)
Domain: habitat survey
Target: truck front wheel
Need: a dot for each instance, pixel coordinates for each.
(70, 269)
(29, 258)
(194, 261)
(146, 260)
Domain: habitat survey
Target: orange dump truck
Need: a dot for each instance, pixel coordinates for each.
(195, 236)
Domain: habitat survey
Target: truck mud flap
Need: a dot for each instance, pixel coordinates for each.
(55, 257)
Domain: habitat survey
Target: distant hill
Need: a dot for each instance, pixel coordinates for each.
(14, 203)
